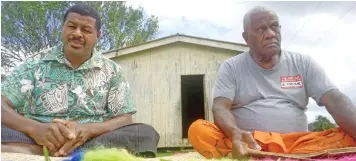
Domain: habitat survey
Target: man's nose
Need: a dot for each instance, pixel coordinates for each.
(77, 33)
(270, 33)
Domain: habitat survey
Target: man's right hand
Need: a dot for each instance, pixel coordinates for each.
(241, 142)
(51, 135)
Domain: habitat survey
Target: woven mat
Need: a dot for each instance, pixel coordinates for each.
(324, 153)
(26, 157)
(194, 156)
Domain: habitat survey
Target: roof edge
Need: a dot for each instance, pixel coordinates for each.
(176, 38)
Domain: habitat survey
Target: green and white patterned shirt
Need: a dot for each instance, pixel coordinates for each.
(48, 88)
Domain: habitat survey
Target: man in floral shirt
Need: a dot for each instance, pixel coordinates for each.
(73, 97)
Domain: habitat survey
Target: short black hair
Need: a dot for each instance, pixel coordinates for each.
(84, 10)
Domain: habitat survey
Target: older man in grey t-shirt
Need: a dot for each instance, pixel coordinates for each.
(266, 89)
(273, 99)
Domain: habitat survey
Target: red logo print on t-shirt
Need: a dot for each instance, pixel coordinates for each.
(291, 81)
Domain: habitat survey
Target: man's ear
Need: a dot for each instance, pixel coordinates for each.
(245, 36)
(99, 34)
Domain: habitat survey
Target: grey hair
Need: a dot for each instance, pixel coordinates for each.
(254, 10)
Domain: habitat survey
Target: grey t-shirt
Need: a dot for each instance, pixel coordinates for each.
(272, 100)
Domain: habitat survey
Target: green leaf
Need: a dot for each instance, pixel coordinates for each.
(46, 154)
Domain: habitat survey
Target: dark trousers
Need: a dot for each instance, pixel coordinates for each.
(138, 138)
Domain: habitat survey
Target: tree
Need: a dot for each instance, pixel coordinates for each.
(30, 26)
(322, 123)
(3, 77)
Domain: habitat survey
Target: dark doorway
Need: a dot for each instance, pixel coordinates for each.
(192, 100)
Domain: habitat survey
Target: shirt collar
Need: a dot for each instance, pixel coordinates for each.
(57, 54)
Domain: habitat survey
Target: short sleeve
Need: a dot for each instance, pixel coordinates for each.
(18, 86)
(317, 82)
(120, 100)
(225, 84)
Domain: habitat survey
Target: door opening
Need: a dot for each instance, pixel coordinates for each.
(192, 87)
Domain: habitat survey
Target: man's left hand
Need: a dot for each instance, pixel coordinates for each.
(82, 134)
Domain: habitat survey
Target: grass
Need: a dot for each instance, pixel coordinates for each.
(163, 152)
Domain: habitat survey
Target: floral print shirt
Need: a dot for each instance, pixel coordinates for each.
(48, 88)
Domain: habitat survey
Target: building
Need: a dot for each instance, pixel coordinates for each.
(172, 81)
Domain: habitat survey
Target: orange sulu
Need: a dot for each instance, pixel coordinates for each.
(209, 140)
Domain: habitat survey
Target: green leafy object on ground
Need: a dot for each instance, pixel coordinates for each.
(164, 160)
(46, 154)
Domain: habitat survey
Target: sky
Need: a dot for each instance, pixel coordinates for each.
(322, 29)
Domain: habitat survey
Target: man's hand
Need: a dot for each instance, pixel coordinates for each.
(241, 142)
(51, 135)
(225, 120)
(82, 134)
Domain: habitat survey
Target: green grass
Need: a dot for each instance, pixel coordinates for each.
(163, 152)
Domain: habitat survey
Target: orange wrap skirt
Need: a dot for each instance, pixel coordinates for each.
(207, 139)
